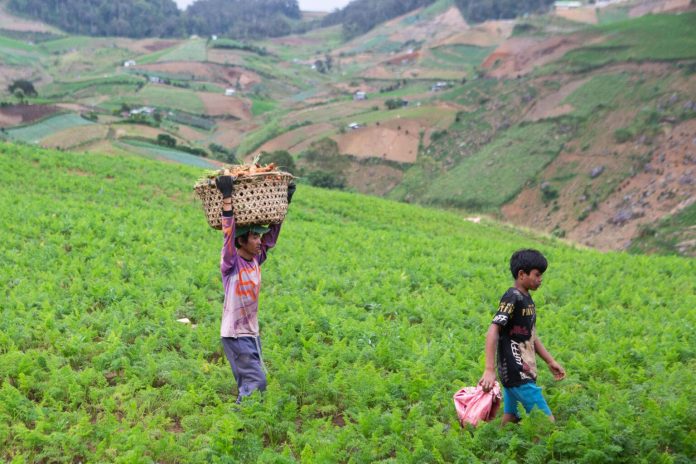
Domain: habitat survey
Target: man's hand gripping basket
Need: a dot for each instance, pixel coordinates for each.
(258, 198)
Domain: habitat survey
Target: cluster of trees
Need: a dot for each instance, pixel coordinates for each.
(476, 11)
(162, 18)
(359, 16)
(243, 18)
(127, 18)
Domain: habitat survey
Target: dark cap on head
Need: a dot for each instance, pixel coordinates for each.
(255, 228)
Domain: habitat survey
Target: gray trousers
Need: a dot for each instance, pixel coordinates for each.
(244, 356)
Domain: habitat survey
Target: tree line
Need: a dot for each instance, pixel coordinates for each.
(241, 19)
(476, 11)
(360, 16)
(162, 18)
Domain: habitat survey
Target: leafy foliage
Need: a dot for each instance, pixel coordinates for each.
(24, 85)
(373, 314)
(242, 18)
(360, 16)
(129, 18)
(481, 10)
(160, 18)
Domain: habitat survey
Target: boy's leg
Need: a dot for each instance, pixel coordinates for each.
(530, 396)
(245, 360)
(228, 345)
(510, 413)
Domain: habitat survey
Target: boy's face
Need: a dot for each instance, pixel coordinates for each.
(252, 245)
(530, 281)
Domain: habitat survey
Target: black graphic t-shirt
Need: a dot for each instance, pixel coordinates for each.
(516, 317)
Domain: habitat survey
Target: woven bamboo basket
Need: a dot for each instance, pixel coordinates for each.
(257, 199)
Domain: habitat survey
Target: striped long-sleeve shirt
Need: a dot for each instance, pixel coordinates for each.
(241, 280)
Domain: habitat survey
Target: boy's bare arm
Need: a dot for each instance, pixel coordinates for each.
(556, 369)
(488, 379)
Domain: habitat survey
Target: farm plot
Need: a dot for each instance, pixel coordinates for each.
(364, 348)
(37, 132)
(191, 50)
(161, 153)
(161, 96)
(24, 114)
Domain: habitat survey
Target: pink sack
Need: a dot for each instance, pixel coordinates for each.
(473, 404)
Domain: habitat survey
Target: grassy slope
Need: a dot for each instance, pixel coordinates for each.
(365, 341)
(653, 37)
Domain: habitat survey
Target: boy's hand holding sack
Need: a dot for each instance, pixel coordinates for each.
(474, 404)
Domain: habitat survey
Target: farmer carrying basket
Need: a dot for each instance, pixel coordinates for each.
(245, 248)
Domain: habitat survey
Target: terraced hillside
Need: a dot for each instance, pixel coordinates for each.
(578, 123)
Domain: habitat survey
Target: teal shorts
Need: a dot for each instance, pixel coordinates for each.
(528, 394)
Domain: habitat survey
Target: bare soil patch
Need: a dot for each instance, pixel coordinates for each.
(230, 133)
(587, 15)
(224, 56)
(24, 114)
(295, 41)
(519, 56)
(374, 179)
(190, 134)
(392, 140)
(221, 105)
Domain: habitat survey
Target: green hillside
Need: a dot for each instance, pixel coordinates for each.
(373, 315)
(507, 118)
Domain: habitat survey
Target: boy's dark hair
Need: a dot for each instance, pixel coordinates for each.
(526, 260)
(238, 241)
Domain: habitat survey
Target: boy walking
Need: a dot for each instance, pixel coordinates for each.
(244, 250)
(513, 335)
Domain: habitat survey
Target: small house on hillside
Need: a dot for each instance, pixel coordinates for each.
(360, 95)
(354, 126)
(230, 92)
(142, 110)
(128, 64)
(442, 85)
(155, 79)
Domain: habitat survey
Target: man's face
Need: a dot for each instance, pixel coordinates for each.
(252, 245)
(531, 281)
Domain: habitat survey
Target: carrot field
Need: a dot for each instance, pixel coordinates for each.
(373, 314)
